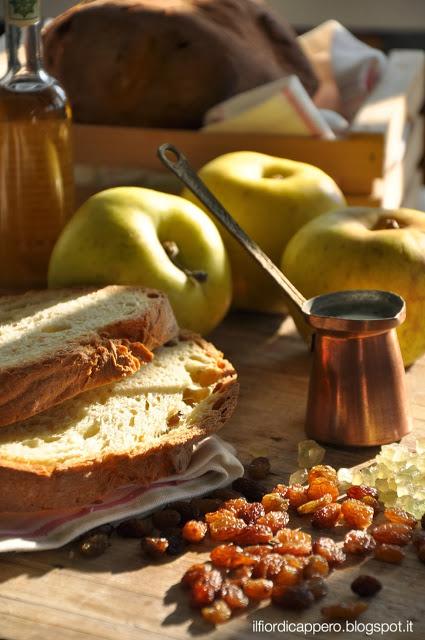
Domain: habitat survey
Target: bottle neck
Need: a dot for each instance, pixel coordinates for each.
(23, 40)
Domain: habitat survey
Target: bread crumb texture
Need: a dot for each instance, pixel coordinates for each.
(175, 391)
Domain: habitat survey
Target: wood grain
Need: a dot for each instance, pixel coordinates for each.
(57, 594)
(353, 162)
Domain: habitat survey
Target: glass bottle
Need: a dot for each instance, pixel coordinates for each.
(36, 167)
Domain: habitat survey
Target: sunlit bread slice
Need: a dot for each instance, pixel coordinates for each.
(133, 431)
(56, 344)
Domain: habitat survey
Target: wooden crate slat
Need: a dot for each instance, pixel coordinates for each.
(412, 195)
(363, 200)
(392, 186)
(396, 100)
(354, 163)
(404, 77)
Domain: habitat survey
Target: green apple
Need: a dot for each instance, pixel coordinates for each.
(129, 235)
(271, 198)
(364, 248)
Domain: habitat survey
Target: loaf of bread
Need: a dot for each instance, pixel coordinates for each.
(55, 344)
(130, 432)
(164, 63)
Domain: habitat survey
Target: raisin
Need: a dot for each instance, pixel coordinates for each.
(275, 520)
(93, 545)
(169, 533)
(154, 547)
(258, 550)
(135, 528)
(224, 494)
(312, 505)
(297, 495)
(217, 613)
(287, 575)
(201, 506)
(254, 534)
(358, 542)
(194, 531)
(299, 562)
(107, 529)
(258, 589)
(269, 566)
(322, 471)
(211, 516)
(389, 553)
(326, 517)
(184, 509)
(392, 533)
(274, 502)
(226, 528)
(251, 512)
(327, 548)
(400, 516)
(166, 519)
(318, 587)
(357, 514)
(319, 487)
(366, 586)
(230, 556)
(295, 597)
(235, 505)
(421, 553)
(280, 488)
(293, 541)
(372, 502)
(316, 566)
(193, 574)
(418, 538)
(205, 588)
(233, 596)
(176, 545)
(360, 491)
(344, 610)
(258, 468)
(240, 575)
(251, 489)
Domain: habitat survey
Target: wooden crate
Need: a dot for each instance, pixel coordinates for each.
(375, 164)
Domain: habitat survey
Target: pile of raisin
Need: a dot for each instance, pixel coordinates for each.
(262, 557)
(261, 553)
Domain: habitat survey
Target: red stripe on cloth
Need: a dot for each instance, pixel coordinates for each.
(310, 124)
(49, 526)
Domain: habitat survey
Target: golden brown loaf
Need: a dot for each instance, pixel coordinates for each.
(164, 63)
(133, 431)
(54, 344)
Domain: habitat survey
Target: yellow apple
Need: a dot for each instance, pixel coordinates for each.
(271, 198)
(364, 248)
(129, 235)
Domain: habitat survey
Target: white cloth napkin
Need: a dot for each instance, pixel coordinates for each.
(347, 68)
(213, 465)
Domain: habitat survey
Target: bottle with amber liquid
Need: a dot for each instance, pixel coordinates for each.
(36, 168)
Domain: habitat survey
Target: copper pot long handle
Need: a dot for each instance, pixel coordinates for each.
(174, 160)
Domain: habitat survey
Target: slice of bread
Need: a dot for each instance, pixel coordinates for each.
(56, 344)
(133, 431)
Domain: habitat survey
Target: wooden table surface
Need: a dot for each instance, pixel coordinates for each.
(57, 594)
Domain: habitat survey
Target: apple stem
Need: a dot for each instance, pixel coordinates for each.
(172, 251)
(386, 223)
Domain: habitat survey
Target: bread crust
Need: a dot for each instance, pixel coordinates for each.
(116, 351)
(27, 488)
